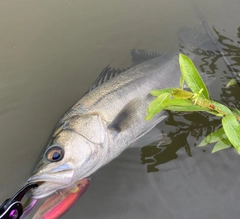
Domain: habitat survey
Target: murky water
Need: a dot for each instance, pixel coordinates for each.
(50, 53)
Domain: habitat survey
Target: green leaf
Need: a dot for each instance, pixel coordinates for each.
(156, 106)
(213, 137)
(156, 93)
(205, 103)
(236, 112)
(181, 94)
(221, 145)
(192, 108)
(182, 105)
(232, 82)
(221, 107)
(192, 77)
(181, 82)
(177, 102)
(232, 130)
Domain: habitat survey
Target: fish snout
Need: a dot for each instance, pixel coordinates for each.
(51, 181)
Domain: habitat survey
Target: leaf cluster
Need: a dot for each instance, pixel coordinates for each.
(198, 99)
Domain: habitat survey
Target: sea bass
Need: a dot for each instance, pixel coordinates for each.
(109, 118)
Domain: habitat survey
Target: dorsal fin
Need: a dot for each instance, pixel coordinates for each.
(106, 74)
(138, 56)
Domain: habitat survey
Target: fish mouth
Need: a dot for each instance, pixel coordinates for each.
(51, 182)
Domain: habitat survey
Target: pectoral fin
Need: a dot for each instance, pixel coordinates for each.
(126, 117)
(154, 137)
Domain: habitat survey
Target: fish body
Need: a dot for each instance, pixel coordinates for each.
(104, 122)
(121, 103)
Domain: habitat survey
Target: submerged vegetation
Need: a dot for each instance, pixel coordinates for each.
(198, 99)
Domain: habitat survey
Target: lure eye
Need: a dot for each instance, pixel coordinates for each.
(54, 153)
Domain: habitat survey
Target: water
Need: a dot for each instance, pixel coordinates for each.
(51, 52)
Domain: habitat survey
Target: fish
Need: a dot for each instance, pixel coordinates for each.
(109, 118)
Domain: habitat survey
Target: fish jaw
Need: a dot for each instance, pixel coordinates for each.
(51, 182)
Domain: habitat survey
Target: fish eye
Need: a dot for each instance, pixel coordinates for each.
(54, 153)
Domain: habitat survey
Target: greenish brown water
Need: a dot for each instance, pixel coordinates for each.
(51, 52)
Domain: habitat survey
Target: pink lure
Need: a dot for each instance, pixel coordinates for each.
(57, 205)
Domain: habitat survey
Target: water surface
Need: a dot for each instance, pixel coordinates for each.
(50, 53)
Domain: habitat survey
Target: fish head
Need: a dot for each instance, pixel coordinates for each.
(74, 154)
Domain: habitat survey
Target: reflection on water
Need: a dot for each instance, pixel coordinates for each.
(197, 125)
(231, 48)
(230, 96)
(231, 51)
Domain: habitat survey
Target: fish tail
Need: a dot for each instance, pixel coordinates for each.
(192, 39)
